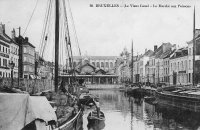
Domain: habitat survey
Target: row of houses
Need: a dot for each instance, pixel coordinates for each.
(19, 51)
(168, 64)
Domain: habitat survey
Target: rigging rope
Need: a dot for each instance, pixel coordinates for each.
(44, 38)
(30, 18)
(68, 40)
(73, 24)
(43, 28)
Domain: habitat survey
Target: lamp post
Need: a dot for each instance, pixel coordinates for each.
(12, 65)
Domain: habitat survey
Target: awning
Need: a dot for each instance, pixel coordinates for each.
(40, 108)
(18, 110)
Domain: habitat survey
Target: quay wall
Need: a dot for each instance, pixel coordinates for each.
(103, 86)
(31, 86)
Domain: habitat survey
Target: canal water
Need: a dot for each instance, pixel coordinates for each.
(123, 112)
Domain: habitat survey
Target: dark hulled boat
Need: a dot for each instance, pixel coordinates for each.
(184, 98)
(94, 118)
(87, 99)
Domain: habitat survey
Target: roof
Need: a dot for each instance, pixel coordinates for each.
(162, 51)
(101, 71)
(4, 39)
(148, 53)
(87, 64)
(96, 57)
(166, 53)
(26, 42)
(169, 54)
(180, 53)
(7, 39)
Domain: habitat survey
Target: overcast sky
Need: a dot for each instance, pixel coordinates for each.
(107, 30)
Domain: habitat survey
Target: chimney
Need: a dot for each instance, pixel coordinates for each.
(26, 39)
(155, 47)
(13, 34)
(2, 28)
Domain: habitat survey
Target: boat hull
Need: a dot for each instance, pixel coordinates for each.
(73, 124)
(92, 117)
(180, 101)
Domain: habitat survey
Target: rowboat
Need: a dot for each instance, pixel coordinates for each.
(93, 117)
(87, 99)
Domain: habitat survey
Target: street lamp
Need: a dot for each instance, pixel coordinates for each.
(12, 65)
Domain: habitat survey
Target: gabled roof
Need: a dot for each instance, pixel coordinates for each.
(7, 39)
(26, 42)
(158, 53)
(101, 70)
(87, 64)
(180, 53)
(3, 38)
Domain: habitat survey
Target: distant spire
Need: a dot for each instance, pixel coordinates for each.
(132, 62)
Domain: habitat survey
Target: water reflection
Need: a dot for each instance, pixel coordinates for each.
(129, 113)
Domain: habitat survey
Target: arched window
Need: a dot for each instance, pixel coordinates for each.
(107, 65)
(102, 64)
(111, 65)
(98, 64)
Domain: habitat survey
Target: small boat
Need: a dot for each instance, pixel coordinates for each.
(87, 99)
(93, 117)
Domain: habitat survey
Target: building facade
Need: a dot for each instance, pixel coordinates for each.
(14, 54)
(28, 59)
(8, 53)
(94, 69)
(4, 53)
(179, 74)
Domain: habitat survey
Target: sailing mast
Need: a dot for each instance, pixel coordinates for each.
(56, 44)
(69, 47)
(194, 49)
(132, 63)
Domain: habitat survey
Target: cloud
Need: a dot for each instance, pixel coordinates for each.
(106, 31)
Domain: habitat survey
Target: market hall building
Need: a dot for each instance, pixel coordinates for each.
(93, 69)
